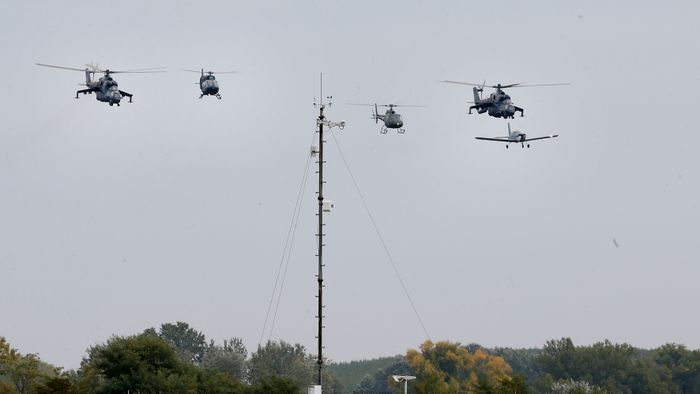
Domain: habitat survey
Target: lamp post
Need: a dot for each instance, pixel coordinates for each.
(404, 379)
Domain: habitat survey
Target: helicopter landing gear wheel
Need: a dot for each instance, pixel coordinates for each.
(201, 95)
(384, 130)
(507, 146)
(528, 146)
(401, 131)
(218, 96)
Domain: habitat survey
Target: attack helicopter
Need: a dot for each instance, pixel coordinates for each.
(391, 118)
(515, 137)
(498, 104)
(208, 83)
(106, 88)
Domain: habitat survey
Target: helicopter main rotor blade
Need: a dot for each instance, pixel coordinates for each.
(136, 72)
(223, 72)
(362, 105)
(139, 70)
(61, 67)
(512, 85)
(404, 105)
(192, 71)
(463, 83)
(517, 85)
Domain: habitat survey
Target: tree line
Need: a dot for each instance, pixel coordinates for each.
(176, 358)
(559, 367)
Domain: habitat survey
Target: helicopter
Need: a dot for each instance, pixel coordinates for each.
(516, 137)
(498, 104)
(207, 82)
(106, 88)
(391, 118)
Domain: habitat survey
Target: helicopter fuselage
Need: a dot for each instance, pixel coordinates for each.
(208, 85)
(497, 104)
(106, 89)
(392, 120)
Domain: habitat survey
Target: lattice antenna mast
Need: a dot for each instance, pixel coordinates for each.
(323, 206)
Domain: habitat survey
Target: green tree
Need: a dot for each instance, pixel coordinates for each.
(57, 385)
(381, 381)
(229, 358)
(351, 373)
(275, 385)
(137, 363)
(190, 343)
(615, 368)
(23, 373)
(281, 359)
(682, 364)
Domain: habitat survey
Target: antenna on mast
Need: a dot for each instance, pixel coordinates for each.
(322, 104)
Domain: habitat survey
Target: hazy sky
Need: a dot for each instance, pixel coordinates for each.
(113, 220)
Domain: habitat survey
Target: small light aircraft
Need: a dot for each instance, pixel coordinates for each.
(515, 137)
(391, 118)
(106, 88)
(207, 82)
(498, 104)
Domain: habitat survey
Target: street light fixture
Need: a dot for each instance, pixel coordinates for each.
(404, 379)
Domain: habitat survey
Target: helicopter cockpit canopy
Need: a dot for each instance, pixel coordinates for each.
(109, 83)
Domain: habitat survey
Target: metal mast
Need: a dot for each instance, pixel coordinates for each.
(321, 122)
(319, 276)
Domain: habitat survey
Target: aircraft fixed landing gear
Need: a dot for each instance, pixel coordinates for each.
(218, 96)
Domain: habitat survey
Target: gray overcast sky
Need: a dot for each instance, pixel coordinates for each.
(174, 208)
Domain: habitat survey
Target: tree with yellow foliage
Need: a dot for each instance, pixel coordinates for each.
(445, 368)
